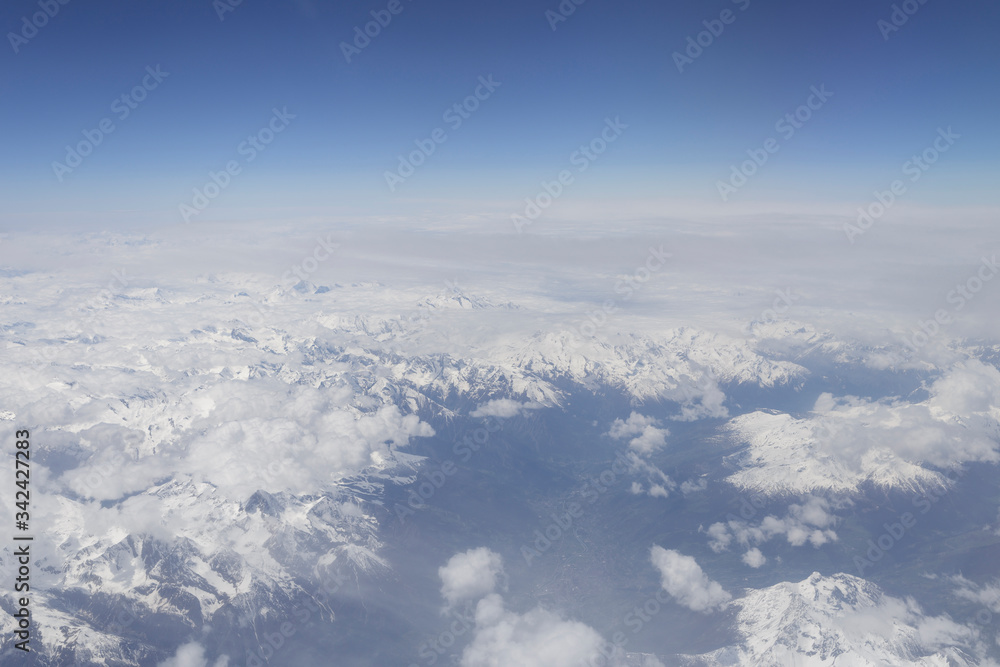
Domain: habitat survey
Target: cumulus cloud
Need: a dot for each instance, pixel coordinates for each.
(691, 486)
(647, 437)
(848, 441)
(719, 537)
(708, 401)
(683, 579)
(503, 408)
(650, 440)
(657, 483)
(958, 422)
(470, 575)
(658, 491)
(971, 387)
(538, 638)
(192, 655)
(810, 522)
(754, 558)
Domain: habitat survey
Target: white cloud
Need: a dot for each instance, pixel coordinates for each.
(815, 512)
(684, 580)
(648, 438)
(659, 483)
(709, 403)
(192, 655)
(807, 522)
(719, 537)
(233, 435)
(955, 424)
(470, 575)
(848, 441)
(214, 408)
(986, 595)
(691, 486)
(847, 617)
(754, 558)
(968, 388)
(658, 491)
(634, 425)
(938, 632)
(538, 638)
(503, 408)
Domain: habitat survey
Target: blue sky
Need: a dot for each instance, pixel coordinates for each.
(557, 87)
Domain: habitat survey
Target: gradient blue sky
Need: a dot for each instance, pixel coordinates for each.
(557, 87)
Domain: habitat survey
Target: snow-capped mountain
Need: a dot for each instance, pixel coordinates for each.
(222, 451)
(841, 621)
(785, 455)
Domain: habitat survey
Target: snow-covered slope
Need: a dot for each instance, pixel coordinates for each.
(213, 444)
(848, 442)
(840, 621)
(685, 365)
(785, 455)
